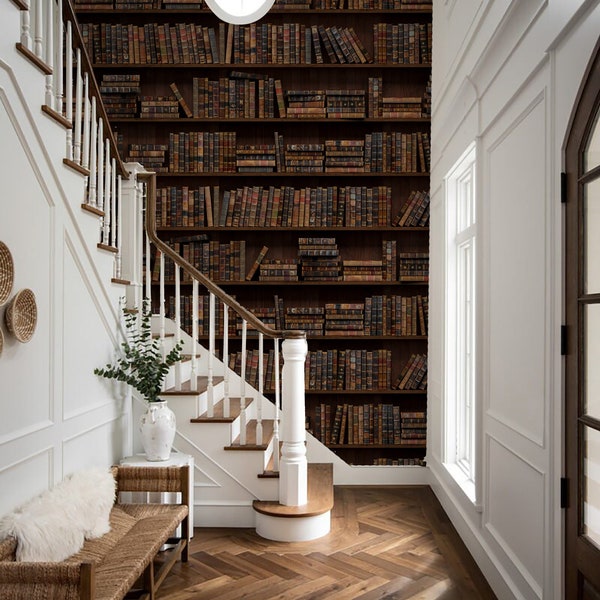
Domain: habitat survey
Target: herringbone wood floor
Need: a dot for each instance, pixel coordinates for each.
(391, 542)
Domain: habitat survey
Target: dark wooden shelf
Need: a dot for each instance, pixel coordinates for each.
(286, 230)
(337, 338)
(198, 11)
(224, 175)
(374, 446)
(365, 392)
(262, 66)
(254, 121)
(311, 283)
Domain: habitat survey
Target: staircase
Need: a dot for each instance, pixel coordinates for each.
(247, 472)
(238, 480)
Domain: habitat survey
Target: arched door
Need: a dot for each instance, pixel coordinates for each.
(582, 375)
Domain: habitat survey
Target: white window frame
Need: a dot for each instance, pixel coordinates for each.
(460, 411)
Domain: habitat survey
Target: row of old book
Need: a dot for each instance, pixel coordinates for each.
(278, 5)
(354, 370)
(262, 43)
(413, 375)
(378, 315)
(415, 211)
(382, 424)
(279, 206)
(349, 369)
(219, 261)
(218, 152)
(402, 43)
(252, 95)
(227, 262)
(382, 461)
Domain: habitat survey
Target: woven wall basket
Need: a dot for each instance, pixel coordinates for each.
(1, 341)
(7, 273)
(21, 315)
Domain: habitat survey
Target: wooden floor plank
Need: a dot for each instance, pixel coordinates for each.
(392, 543)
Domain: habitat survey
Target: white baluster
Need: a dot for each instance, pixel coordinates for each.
(113, 196)
(177, 322)
(100, 178)
(161, 308)
(92, 191)
(293, 472)
(50, 53)
(58, 57)
(194, 376)
(212, 325)
(69, 88)
(277, 404)
(243, 418)
(259, 425)
(26, 27)
(107, 220)
(148, 278)
(119, 257)
(226, 402)
(85, 155)
(78, 106)
(38, 24)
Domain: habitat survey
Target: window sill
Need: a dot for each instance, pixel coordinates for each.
(466, 485)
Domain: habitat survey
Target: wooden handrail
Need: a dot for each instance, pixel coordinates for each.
(243, 312)
(69, 14)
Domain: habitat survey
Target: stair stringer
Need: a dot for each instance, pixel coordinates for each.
(226, 482)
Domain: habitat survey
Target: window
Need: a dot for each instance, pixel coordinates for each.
(461, 255)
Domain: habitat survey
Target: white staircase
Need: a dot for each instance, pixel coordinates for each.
(235, 484)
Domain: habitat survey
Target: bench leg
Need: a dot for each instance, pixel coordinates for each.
(149, 580)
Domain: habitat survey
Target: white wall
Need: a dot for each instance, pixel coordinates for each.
(55, 415)
(505, 75)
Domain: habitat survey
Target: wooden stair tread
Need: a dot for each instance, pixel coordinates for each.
(186, 390)
(251, 437)
(234, 413)
(185, 357)
(320, 496)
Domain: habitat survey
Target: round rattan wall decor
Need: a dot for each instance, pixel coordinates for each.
(21, 315)
(7, 273)
(1, 341)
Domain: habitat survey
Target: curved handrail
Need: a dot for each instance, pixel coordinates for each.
(69, 14)
(243, 312)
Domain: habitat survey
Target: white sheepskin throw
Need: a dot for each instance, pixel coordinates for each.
(54, 525)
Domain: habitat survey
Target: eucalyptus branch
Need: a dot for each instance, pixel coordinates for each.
(141, 364)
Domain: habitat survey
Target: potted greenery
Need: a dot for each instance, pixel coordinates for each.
(142, 366)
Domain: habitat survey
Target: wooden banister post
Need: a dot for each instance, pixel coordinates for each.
(293, 467)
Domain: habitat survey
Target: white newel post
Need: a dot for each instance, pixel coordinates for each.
(131, 246)
(293, 467)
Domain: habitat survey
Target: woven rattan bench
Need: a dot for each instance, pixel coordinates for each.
(107, 568)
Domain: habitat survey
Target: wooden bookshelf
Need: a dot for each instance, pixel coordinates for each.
(401, 84)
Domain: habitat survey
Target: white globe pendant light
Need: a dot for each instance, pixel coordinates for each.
(240, 12)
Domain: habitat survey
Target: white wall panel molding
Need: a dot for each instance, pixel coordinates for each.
(508, 35)
(461, 22)
(467, 521)
(516, 369)
(25, 141)
(460, 118)
(517, 527)
(26, 477)
(85, 310)
(99, 444)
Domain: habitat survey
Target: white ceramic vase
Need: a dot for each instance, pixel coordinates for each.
(157, 428)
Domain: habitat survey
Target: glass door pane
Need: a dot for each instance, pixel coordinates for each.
(591, 155)
(591, 392)
(591, 220)
(591, 485)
